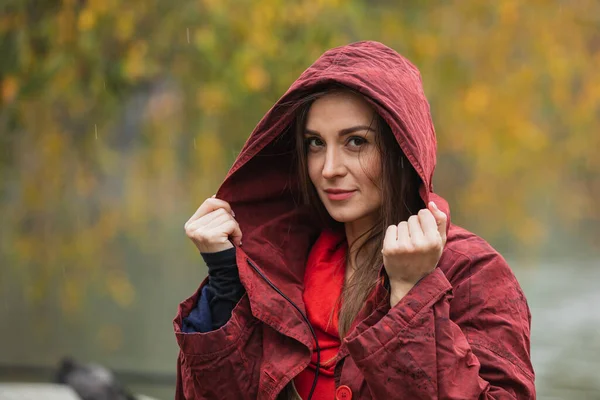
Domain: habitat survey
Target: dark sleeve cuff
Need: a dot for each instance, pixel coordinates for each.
(224, 289)
(225, 257)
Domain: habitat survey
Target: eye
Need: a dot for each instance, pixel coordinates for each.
(314, 142)
(356, 141)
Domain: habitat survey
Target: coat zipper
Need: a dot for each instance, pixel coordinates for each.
(304, 317)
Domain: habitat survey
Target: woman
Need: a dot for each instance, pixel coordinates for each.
(352, 281)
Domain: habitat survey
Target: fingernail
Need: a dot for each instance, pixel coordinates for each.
(434, 205)
(233, 213)
(213, 196)
(240, 243)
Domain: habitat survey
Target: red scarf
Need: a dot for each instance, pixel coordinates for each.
(323, 283)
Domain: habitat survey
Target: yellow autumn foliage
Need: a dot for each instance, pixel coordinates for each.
(117, 119)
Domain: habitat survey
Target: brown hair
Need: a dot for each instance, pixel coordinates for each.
(400, 199)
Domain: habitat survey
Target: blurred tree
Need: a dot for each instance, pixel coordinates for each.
(119, 117)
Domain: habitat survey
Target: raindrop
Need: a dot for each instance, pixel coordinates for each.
(96, 130)
(188, 34)
(194, 143)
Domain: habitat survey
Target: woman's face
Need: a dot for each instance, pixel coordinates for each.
(344, 163)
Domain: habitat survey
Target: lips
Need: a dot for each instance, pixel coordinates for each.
(339, 194)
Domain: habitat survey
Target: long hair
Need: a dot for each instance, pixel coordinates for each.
(399, 185)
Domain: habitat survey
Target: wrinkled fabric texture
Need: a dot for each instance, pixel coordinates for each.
(463, 332)
(323, 282)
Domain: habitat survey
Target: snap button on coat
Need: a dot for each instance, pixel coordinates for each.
(343, 393)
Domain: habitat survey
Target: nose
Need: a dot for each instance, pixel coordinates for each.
(334, 164)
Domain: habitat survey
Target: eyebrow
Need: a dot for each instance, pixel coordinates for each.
(345, 131)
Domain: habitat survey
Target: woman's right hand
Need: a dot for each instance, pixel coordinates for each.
(212, 225)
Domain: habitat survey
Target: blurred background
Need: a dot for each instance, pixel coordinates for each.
(118, 118)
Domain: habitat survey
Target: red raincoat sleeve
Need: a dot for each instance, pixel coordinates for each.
(215, 356)
(433, 345)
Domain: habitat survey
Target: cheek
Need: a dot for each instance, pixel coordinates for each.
(314, 169)
(370, 170)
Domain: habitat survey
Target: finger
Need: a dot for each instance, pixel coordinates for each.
(206, 220)
(389, 240)
(221, 219)
(210, 205)
(441, 220)
(232, 228)
(236, 235)
(428, 224)
(414, 229)
(228, 230)
(404, 240)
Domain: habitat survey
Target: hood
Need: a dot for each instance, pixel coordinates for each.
(261, 186)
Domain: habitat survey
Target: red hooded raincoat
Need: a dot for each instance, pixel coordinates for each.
(461, 333)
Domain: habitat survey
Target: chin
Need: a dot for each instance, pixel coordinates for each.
(347, 212)
(342, 219)
(351, 212)
(341, 215)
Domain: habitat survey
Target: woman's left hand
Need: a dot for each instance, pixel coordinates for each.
(412, 249)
